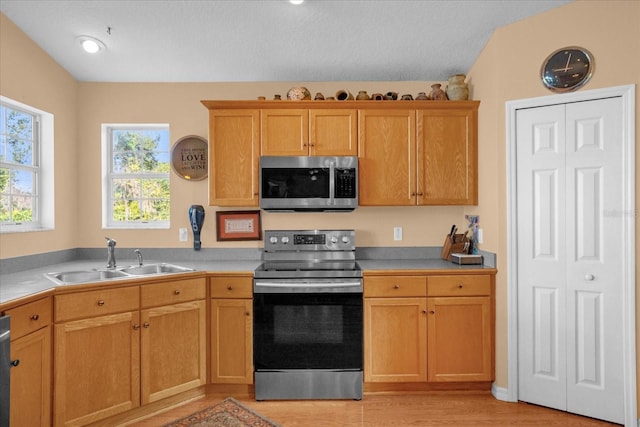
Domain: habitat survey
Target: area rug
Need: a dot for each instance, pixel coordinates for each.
(228, 413)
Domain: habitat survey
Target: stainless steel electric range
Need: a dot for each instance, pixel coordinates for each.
(307, 330)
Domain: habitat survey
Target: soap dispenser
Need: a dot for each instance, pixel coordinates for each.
(196, 217)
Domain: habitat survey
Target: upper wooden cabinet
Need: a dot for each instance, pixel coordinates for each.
(386, 159)
(426, 156)
(234, 154)
(447, 156)
(410, 152)
(315, 132)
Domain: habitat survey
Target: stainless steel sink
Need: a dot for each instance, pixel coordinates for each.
(98, 275)
(85, 276)
(161, 268)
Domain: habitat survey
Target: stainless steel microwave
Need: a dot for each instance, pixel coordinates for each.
(309, 183)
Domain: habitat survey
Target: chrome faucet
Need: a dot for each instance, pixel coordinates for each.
(111, 253)
(139, 253)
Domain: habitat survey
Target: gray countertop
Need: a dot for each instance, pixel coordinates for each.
(32, 281)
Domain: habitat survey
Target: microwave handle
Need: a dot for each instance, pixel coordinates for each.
(332, 183)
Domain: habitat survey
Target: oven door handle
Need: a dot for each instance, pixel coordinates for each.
(342, 286)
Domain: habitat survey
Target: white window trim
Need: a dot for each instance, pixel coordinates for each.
(107, 223)
(45, 177)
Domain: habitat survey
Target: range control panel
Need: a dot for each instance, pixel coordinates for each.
(309, 240)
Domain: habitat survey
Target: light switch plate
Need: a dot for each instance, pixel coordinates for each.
(183, 235)
(397, 233)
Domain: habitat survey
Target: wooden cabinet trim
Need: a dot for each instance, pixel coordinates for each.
(173, 292)
(30, 317)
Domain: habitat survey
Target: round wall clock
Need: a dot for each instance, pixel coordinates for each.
(567, 69)
(189, 158)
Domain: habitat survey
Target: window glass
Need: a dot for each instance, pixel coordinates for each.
(138, 186)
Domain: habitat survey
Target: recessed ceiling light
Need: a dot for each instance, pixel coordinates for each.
(91, 44)
(296, 2)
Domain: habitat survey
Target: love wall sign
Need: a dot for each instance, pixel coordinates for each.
(189, 158)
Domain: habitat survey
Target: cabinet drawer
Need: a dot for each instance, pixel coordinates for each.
(232, 287)
(167, 293)
(96, 303)
(451, 286)
(30, 317)
(395, 286)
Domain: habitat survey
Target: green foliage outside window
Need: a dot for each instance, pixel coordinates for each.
(140, 188)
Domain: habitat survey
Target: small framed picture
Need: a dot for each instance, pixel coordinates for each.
(238, 225)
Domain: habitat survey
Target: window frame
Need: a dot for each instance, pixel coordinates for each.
(43, 203)
(108, 175)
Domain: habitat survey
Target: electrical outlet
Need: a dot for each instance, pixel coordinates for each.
(397, 233)
(479, 235)
(183, 235)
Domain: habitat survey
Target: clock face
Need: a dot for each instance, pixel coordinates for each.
(567, 69)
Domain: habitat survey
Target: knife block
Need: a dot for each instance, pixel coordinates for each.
(450, 247)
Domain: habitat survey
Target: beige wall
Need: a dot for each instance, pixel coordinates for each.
(30, 76)
(508, 69)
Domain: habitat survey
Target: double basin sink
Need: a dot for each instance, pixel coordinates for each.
(100, 274)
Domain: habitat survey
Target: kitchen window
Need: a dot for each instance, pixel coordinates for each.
(26, 168)
(136, 171)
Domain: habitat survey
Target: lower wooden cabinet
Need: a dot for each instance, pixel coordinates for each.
(119, 348)
(97, 368)
(395, 341)
(428, 328)
(459, 339)
(31, 375)
(232, 330)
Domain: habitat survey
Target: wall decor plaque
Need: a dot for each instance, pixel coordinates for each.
(189, 158)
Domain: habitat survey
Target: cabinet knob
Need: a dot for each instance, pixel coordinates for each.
(229, 287)
(145, 325)
(136, 327)
(432, 312)
(248, 314)
(101, 302)
(14, 363)
(589, 277)
(35, 317)
(396, 286)
(176, 292)
(420, 193)
(424, 311)
(459, 285)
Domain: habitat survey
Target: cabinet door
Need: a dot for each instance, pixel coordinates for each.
(97, 368)
(333, 132)
(460, 339)
(173, 349)
(284, 132)
(234, 153)
(232, 341)
(447, 156)
(31, 380)
(395, 340)
(387, 157)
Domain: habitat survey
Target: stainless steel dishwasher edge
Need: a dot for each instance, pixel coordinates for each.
(5, 368)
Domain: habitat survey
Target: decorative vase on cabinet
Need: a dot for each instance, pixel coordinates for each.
(457, 90)
(437, 94)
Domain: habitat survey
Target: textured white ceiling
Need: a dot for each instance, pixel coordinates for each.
(269, 40)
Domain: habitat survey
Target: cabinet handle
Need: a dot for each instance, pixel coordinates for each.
(136, 327)
(229, 287)
(459, 285)
(14, 363)
(396, 286)
(145, 324)
(432, 312)
(424, 311)
(176, 292)
(35, 317)
(101, 302)
(248, 314)
(420, 193)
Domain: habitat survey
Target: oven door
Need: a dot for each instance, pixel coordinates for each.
(311, 328)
